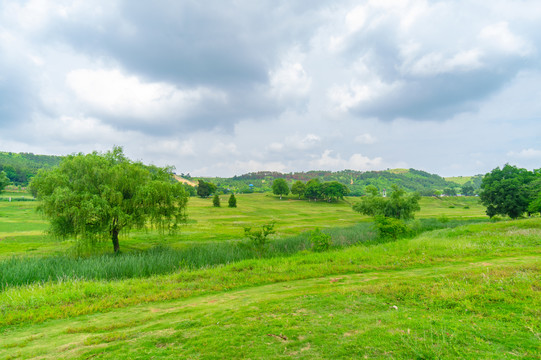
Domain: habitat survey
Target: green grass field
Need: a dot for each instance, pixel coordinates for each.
(22, 228)
(470, 291)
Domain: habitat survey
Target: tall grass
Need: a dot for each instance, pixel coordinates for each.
(18, 271)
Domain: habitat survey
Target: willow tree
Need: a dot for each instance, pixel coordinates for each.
(98, 195)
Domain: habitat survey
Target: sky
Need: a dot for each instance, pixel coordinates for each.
(222, 88)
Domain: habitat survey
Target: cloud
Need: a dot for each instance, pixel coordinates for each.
(365, 139)
(232, 87)
(525, 154)
(355, 162)
(113, 94)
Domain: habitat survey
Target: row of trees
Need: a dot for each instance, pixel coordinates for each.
(511, 191)
(312, 190)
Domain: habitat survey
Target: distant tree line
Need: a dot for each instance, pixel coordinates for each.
(312, 190)
(19, 168)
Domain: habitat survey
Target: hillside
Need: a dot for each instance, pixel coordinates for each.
(21, 167)
(410, 179)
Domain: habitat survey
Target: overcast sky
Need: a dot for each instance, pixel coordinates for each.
(221, 88)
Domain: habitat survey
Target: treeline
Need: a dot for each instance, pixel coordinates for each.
(20, 168)
(411, 180)
(312, 190)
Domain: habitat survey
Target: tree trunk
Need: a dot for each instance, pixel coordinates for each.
(116, 246)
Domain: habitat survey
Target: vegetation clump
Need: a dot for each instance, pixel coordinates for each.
(280, 187)
(96, 196)
(216, 200)
(258, 237)
(511, 191)
(4, 181)
(232, 202)
(205, 189)
(320, 240)
(390, 212)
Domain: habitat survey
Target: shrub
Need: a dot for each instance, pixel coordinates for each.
(320, 241)
(232, 201)
(216, 200)
(390, 228)
(259, 237)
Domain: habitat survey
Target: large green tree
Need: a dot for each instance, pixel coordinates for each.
(298, 188)
(313, 189)
(4, 181)
(204, 189)
(507, 191)
(98, 195)
(333, 190)
(280, 187)
(398, 205)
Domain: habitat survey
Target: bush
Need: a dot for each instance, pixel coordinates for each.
(259, 237)
(320, 241)
(390, 228)
(232, 201)
(216, 200)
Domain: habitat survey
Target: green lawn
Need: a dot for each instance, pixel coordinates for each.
(469, 292)
(22, 230)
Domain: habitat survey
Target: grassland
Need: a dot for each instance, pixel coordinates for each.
(470, 291)
(22, 228)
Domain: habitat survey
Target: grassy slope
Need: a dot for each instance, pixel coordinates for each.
(469, 292)
(460, 180)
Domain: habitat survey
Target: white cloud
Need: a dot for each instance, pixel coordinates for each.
(345, 97)
(437, 63)
(113, 93)
(290, 79)
(306, 142)
(221, 149)
(525, 154)
(355, 162)
(498, 36)
(365, 139)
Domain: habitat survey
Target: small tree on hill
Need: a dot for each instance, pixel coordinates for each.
(216, 200)
(95, 196)
(279, 187)
(298, 188)
(232, 201)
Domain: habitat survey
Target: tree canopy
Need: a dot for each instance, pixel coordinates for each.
(95, 196)
(4, 181)
(280, 187)
(298, 188)
(204, 189)
(508, 191)
(398, 205)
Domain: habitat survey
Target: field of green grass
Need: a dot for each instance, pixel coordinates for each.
(22, 228)
(467, 289)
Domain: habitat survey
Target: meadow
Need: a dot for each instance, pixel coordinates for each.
(458, 287)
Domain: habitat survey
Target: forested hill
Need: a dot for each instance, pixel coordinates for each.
(21, 167)
(410, 179)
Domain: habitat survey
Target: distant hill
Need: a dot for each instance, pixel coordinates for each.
(21, 167)
(410, 179)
